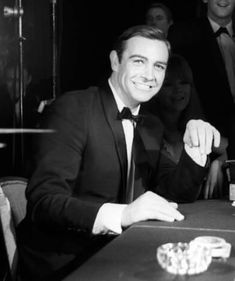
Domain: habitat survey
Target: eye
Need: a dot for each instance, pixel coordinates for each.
(160, 66)
(138, 61)
(184, 83)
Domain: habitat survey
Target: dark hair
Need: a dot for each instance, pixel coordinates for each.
(145, 31)
(178, 66)
(161, 6)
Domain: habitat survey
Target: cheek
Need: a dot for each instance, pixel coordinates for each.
(160, 77)
(187, 90)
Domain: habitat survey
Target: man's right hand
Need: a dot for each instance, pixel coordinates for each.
(150, 206)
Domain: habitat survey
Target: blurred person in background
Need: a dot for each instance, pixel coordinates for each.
(208, 45)
(175, 104)
(160, 16)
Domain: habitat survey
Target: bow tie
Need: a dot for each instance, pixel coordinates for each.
(126, 114)
(220, 31)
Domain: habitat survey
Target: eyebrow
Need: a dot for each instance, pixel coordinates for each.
(144, 58)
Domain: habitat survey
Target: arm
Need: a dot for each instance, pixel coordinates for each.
(51, 194)
(183, 183)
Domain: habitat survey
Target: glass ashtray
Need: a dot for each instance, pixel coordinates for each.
(184, 258)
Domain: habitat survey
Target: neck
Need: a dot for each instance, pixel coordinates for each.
(220, 21)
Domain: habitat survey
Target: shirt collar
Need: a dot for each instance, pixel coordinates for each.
(215, 26)
(119, 102)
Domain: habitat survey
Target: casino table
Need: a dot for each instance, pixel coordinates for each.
(132, 255)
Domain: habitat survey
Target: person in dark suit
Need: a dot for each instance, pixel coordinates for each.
(211, 55)
(77, 194)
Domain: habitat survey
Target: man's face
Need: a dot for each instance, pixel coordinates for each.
(140, 74)
(158, 18)
(220, 9)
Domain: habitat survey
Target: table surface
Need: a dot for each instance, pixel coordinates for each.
(132, 255)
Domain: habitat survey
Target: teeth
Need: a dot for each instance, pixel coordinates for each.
(143, 86)
(223, 5)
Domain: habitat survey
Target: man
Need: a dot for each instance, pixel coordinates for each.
(211, 54)
(160, 16)
(77, 194)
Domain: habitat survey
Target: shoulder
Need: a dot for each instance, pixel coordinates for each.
(75, 100)
(72, 106)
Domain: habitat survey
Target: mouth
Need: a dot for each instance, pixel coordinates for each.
(143, 86)
(179, 98)
(223, 4)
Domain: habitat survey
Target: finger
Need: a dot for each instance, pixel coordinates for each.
(217, 137)
(174, 205)
(201, 134)
(172, 212)
(193, 134)
(187, 139)
(209, 139)
(163, 217)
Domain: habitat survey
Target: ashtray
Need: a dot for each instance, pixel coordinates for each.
(219, 247)
(184, 258)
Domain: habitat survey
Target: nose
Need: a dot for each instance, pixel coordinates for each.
(149, 73)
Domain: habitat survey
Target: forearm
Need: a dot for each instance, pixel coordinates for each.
(181, 182)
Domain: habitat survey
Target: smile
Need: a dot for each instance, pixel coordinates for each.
(223, 4)
(144, 87)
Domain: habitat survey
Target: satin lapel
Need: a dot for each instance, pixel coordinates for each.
(110, 109)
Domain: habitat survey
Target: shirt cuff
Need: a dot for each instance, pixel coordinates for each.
(108, 219)
(196, 155)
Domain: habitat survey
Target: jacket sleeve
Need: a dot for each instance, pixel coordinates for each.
(180, 182)
(57, 162)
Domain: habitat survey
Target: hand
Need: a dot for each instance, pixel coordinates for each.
(214, 184)
(150, 206)
(202, 135)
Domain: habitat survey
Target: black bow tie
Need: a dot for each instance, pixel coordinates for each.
(126, 114)
(220, 31)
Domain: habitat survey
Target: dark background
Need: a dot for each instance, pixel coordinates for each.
(85, 31)
(89, 29)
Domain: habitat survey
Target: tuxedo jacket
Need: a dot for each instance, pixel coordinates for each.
(196, 42)
(83, 165)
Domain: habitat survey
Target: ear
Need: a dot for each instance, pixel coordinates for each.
(114, 60)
